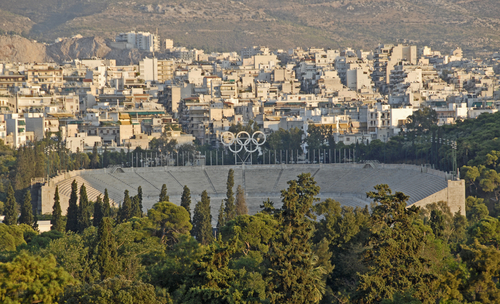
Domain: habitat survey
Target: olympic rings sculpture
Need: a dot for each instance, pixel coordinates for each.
(243, 140)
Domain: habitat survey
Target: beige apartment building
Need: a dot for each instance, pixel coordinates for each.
(48, 79)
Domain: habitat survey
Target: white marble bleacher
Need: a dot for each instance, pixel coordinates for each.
(65, 189)
(158, 178)
(358, 180)
(347, 183)
(261, 181)
(196, 180)
(102, 182)
(134, 180)
(290, 173)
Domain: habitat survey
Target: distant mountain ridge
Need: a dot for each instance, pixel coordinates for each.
(221, 25)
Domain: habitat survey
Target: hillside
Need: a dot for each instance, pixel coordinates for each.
(19, 49)
(230, 25)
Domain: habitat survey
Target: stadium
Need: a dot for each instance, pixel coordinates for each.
(347, 183)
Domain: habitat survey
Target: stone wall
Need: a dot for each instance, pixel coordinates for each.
(454, 195)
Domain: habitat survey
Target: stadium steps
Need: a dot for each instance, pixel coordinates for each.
(257, 181)
(344, 182)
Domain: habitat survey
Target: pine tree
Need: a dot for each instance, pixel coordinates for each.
(137, 203)
(220, 217)
(72, 213)
(202, 220)
(30, 278)
(26, 210)
(98, 214)
(268, 207)
(126, 209)
(397, 261)
(214, 281)
(107, 257)
(186, 200)
(241, 204)
(106, 206)
(83, 210)
(293, 276)
(437, 223)
(56, 221)
(229, 210)
(10, 209)
(163, 194)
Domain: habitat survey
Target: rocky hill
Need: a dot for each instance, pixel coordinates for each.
(19, 49)
(230, 25)
(78, 48)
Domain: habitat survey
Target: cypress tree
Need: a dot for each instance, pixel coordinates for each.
(106, 207)
(126, 209)
(241, 204)
(292, 275)
(137, 203)
(56, 221)
(26, 210)
(119, 212)
(10, 209)
(72, 213)
(230, 210)
(95, 157)
(39, 160)
(220, 217)
(163, 194)
(35, 220)
(24, 167)
(135, 206)
(186, 200)
(20, 169)
(202, 220)
(98, 214)
(83, 210)
(107, 257)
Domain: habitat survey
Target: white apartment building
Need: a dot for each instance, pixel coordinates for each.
(169, 44)
(359, 79)
(148, 69)
(140, 40)
(388, 56)
(16, 126)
